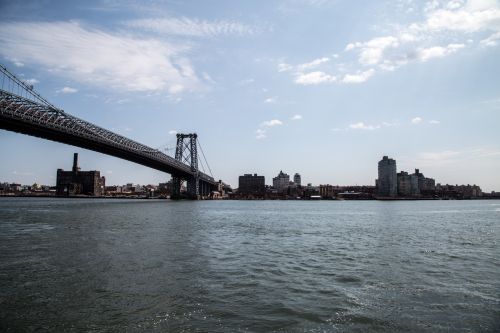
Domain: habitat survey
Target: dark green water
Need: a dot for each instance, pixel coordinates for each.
(249, 266)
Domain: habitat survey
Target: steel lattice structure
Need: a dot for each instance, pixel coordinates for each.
(187, 152)
(25, 111)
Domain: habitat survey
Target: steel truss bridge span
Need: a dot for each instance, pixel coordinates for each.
(28, 113)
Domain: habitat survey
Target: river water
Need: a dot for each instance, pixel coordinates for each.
(97, 265)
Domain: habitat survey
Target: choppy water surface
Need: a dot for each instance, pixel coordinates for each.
(249, 266)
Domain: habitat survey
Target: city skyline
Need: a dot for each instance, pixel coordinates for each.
(282, 180)
(417, 83)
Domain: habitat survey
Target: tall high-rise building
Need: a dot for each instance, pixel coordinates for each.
(281, 182)
(387, 182)
(296, 179)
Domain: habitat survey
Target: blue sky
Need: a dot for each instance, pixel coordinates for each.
(323, 88)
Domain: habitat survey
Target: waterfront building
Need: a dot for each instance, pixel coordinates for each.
(4, 188)
(281, 182)
(249, 184)
(16, 187)
(113, 190)
(424, 184)
(76, 182)
(328, 191)
(407, 185)
(311, 192)
(165, 188)
(429, 184)
(404, 184)
(387, 178)
(297, 179)
(459, 191)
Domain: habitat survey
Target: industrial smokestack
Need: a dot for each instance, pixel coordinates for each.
(75, 163)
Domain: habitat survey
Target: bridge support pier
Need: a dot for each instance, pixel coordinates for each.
(193, 188)
(176, 188)
(203, 189)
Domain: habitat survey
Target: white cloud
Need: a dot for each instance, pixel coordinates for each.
(363, 126)
(416, 120)
(442, 22)
(271, 100)
(431, 5)
(471, 18)
(454, 5)
(208, 78)
(359, 77)
(176, 89)
(297, 117)
(434, 122)
(491, 40)
(312, 64)
(388, 124)
(31, 81)
(351, 46)
(185, 26)
(16, 62)
(438, 51)
(67, 90)
(92, 56)
(172, 132)
(372, 51)
(260, 134)
(271, 123)
(432, 52)
(284, 67)
(311, 78)
(446, 28)
(314, 78)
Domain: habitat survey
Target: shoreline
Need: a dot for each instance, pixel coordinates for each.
(242, 199)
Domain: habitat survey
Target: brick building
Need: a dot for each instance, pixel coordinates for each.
(76, 182)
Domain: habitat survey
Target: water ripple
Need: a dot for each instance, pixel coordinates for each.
(156, 266)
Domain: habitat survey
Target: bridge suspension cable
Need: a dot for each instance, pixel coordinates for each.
(166, 149)
(203, 154)
(14, 85)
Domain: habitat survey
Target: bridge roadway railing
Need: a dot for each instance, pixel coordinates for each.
(22, 114)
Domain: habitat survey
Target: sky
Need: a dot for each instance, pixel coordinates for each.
(322, 88)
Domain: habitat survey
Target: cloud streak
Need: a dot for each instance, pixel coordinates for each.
(67, 90)
(100, 58)
(363, 126)
(185, 26)
(261, 132)
(271, 123)
(416, 120)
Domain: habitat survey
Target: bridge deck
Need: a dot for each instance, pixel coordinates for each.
(26, 116)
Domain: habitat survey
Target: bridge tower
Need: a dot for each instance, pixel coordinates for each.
(186, 151)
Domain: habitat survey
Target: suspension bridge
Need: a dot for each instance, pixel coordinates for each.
(23, 110)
